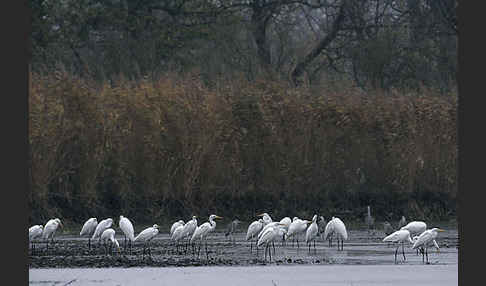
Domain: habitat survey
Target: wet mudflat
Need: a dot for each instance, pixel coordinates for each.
(365, 260)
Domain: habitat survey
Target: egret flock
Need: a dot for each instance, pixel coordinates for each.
(263, 232)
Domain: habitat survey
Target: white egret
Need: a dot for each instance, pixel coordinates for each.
(269, 236)
(415, 227)
(311, 233)
(203, 231)
(102, 225)
(189, 229)
(254, 229)
(329, 231)
(286, 221)
(175, 225)
(35, 231)
(146, 236)
(266, 218)
(127, 228)
(88, 228)
(424, 239)
(108, 236)
(297, 227)
(177, 235)
(400, 237)
(340, 230)
(50, 229)
(231, 229)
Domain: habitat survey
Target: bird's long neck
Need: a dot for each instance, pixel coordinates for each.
(369, 212)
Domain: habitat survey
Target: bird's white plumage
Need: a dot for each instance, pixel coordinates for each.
(204, 229)
(401, 235)
(102, 226)
(266, 218)
(312, 230)
(340, 228)
(268, 225)
(127, 228)
(329, 229)
(147, 234)
(426, 237)
(254, 228)
(271, 234)
(177, 233)
(415, 227)
(109, 235)
(35, 231)
(50, 228)
(176, 225)
(189, 227)
(297, 226)
(89, 226)
(286, 221)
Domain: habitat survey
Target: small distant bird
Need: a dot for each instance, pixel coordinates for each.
(387, 228)
(231, 228)
(369, 220)
(399, 237)
(311, 233)
(88, 229)
(108, 236)
(50, 229)
(424, 239)
(127, 228)
(102, 226)
(35, 231)
(253, 230)
(402, 222)
(175, 225)
(146, 236)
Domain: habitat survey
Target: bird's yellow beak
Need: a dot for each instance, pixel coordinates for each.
(259, 214)
(220, 217)
(309, 222)
(440, 229)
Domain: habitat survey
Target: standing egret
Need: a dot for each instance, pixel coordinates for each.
(399, 236)
(369, 220)
(340, 230)
(203, 231)
(424, 239)
(231, 229)
(50, 229)
(108, 236)
(127, 228)
(297, 227)
(175, 225)
(35, 231)
(146, 236)
(311, 233)
(286, 221)
(329, 231)
(402, 222)
(266, 218)
(189, 229)
(269, 235)
(88, 228)
(254, 229)
(177, 235)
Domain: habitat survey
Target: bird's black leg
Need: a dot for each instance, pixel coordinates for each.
(273, 245)
(396, 251)
(403, 252)
(270, 253)
(426, 255)
(315, 247)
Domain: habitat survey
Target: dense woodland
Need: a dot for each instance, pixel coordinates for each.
(163, 109)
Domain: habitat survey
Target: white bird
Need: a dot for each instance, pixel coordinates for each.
(254, 229)
(127, 228)
(102, 225)
(177, 235)
(88, 228)
(176, 225)
(50, 229)
(188, 229)
(269, 236)
(35, 231)
(146, 236)
(204, 230)
(424, 239)
(340, 230)
(285, 222)
(297, 227)
(266, 218)
(311, 233)
(108, 235)
(415, 227)
(329, 231)
(400, 237)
